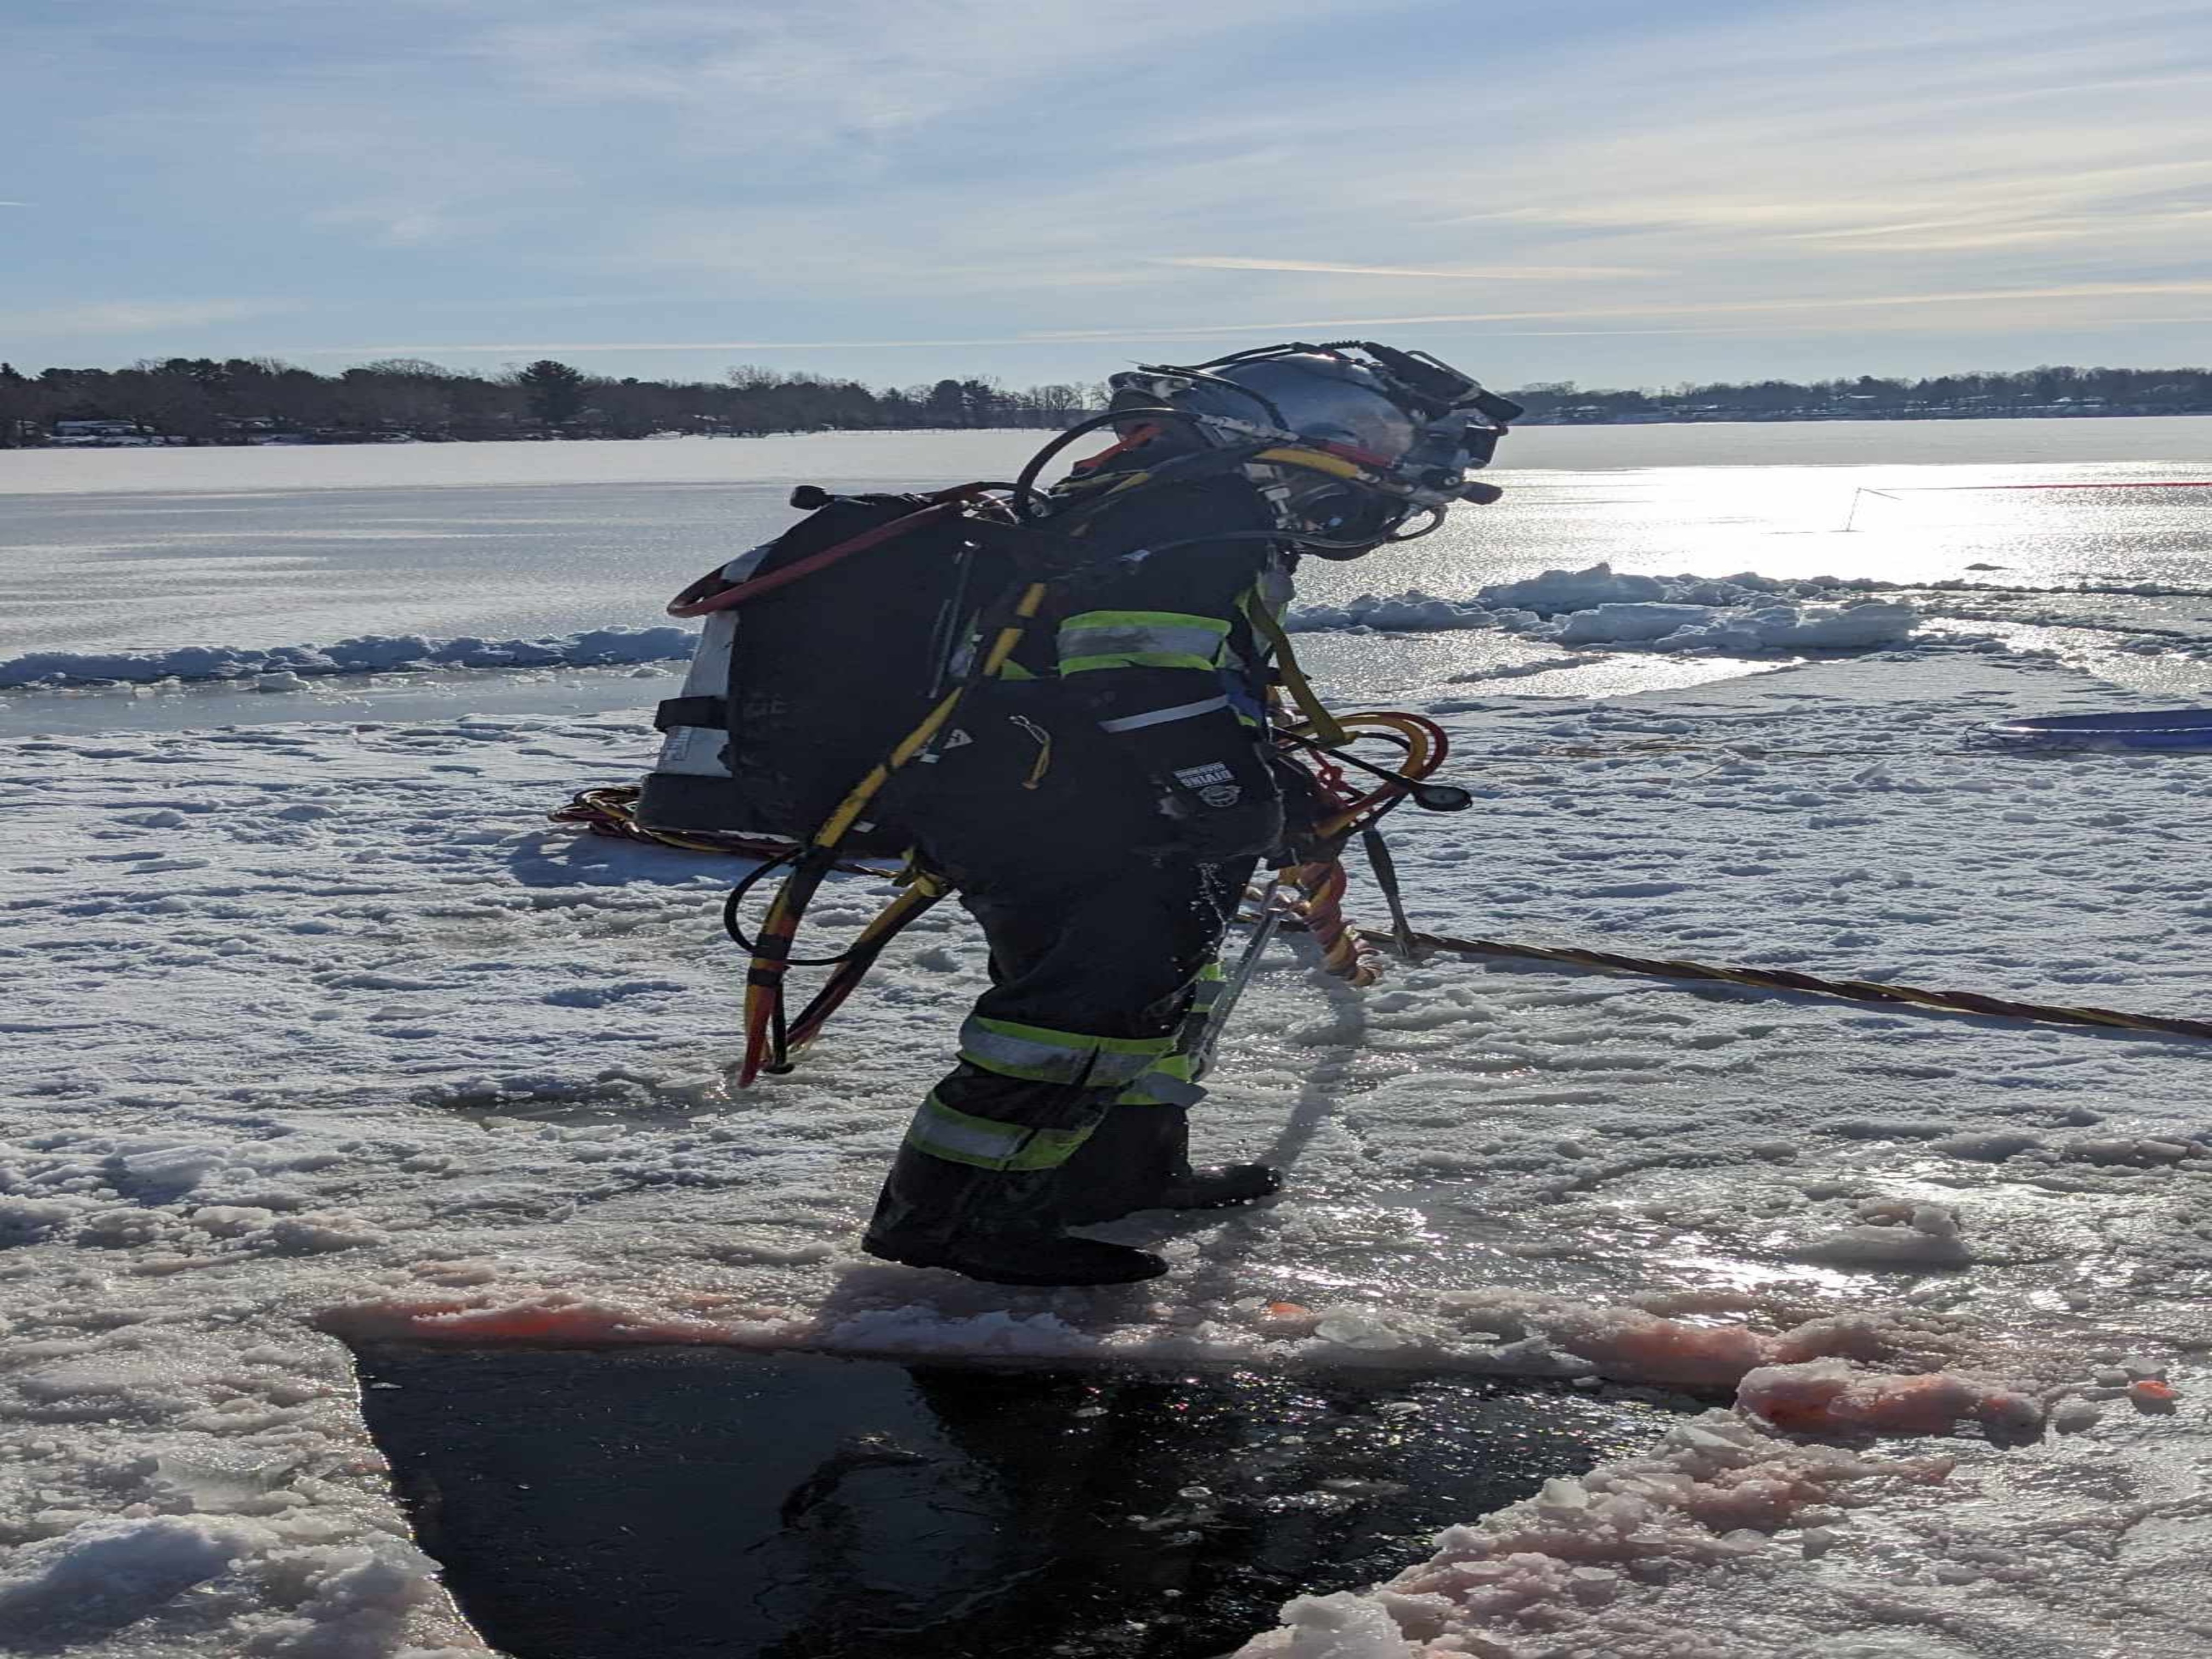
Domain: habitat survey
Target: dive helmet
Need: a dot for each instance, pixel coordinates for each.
(1347, 442)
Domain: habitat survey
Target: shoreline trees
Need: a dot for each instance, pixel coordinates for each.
(241, 400)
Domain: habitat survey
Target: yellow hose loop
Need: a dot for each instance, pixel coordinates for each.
(1345, 953)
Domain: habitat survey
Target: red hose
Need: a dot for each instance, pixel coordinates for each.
(699, 599)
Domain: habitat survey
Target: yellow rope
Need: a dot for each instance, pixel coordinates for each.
(1777, 979)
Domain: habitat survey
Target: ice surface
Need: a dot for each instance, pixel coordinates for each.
(420, 1065)
(318, 1028)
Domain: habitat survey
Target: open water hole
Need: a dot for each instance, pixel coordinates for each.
(686, 1502)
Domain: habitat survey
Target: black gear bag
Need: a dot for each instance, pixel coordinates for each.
(805, 680)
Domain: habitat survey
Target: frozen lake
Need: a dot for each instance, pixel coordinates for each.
(127, 549)
(137, 550)
(320, 1030)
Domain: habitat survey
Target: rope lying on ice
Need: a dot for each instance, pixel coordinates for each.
(1318, 909)
(1780, 979)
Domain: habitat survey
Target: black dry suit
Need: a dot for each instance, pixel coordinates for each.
(1100, 810)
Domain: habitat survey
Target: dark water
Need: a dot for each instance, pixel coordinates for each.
(683, 1503)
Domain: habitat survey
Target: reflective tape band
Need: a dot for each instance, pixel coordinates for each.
(1139, 639)
(1173, 1082)
(1208, 990)
(1137, 659)
(1155, 1089)
(1037, 1054)
(986, 1144)
(1182, 711)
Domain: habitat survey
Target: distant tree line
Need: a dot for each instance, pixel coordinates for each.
(238, 400)
(200, 400)
(2047, 391)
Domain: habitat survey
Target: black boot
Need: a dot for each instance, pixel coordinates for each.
(1000, 1225)
(1011, 1259)
(1219, 1186)
(1137, 1158)
(1214, 1187)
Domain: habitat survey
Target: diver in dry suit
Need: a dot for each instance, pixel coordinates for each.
(1100, 810)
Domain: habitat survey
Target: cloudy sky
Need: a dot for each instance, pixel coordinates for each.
(1609, 191)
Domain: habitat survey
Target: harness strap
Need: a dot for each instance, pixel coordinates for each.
(767, 1040)
(1326, 728)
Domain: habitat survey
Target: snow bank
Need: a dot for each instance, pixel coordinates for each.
(1733, 616)
(1835, 1397)
(369, 654)
(1572, 1571)
(1410, 613)
(1870, 625)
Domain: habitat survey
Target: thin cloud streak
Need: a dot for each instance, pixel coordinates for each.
(140, 316)
(1727, 307)
(1487, 273)
(1203, 330)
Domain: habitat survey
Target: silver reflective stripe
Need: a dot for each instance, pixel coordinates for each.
(986, 1143)
(1182, 711)
(938, 1131)
(1162, 1089)
(1130, 638)
(1035, 1055)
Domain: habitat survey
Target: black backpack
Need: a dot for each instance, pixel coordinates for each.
(806, 678)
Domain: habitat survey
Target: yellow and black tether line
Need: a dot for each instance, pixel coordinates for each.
(768, 1042)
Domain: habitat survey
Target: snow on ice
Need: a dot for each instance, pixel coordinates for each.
(370, 653)
(320, 1030)
(1738, 616)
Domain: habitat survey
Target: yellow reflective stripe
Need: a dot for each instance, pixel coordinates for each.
(1014, 671)
(1182, 1067)
(1037, 1054)
(986, 1144)
(1132, 634)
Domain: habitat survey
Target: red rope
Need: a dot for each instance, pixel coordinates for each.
(697, 601)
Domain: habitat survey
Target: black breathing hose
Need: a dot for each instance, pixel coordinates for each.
(1024, 486)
